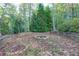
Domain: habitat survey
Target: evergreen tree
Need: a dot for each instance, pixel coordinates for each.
(41, 19)
(48, 19)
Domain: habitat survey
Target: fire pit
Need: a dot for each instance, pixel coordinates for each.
(41, 37)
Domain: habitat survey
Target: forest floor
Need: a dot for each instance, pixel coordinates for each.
(26, 44)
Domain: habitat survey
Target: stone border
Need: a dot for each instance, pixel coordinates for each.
(39, 37)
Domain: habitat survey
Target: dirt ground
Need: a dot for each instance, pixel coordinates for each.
(26, 44)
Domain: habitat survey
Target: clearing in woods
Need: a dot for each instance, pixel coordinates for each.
(27, 44)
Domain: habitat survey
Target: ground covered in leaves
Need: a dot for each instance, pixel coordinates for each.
(26, 44)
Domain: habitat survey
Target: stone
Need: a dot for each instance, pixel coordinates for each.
(41, 37)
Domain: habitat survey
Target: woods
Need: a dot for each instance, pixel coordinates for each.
(29, 17)
(39, 29)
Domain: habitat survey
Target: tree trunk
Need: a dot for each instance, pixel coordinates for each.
(53, 19)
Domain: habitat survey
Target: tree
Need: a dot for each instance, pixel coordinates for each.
(25, 12)
(7, 18)
(53, 17)
(1, 16)
(41, 19)
(33, 23)
(48, 18)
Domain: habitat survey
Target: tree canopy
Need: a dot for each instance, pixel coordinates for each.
(31, 17)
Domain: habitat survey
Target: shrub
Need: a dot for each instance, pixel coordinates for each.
(74, 25)
(64, 27)
(69, 25)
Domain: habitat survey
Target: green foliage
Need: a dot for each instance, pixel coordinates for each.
(12, 21)
(64, 26)
(24, 11)
(48, 19)
(4, 26)
(41, 20)
(18, 26)
(69, 25)
(74, 25)
(8, 18)
(33, 23)
(61, 17)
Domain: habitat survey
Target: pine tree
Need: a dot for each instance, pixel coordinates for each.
(48, 19)
(41, 19)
